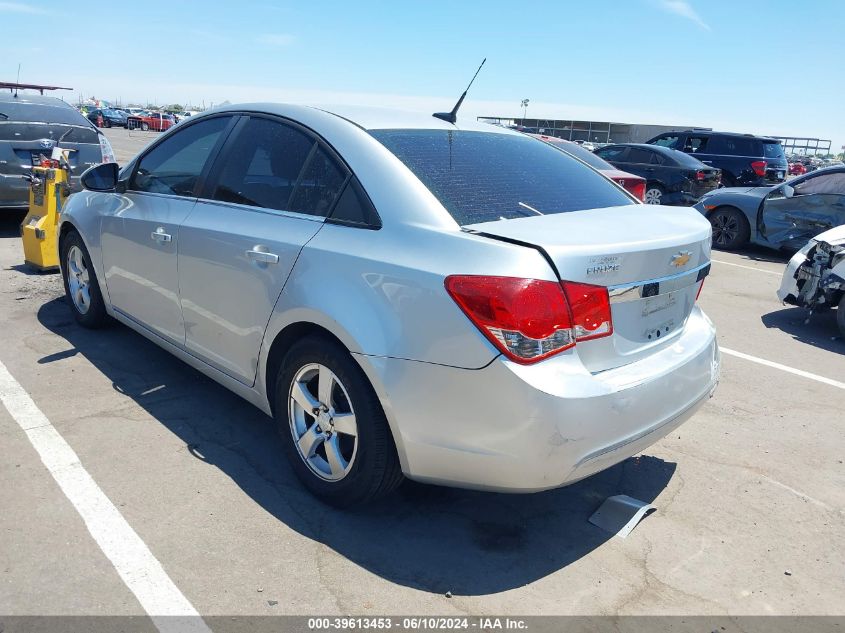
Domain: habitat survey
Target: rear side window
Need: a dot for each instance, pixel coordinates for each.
(488, 176)
(611, 153)
(262, 165)
(173, 166)
(735, 146)
(319, 185)
(773, 150)
(639, 155)
(695, 144)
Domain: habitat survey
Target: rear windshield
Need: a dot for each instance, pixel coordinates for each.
(773, 149)
(573, 149)
(40, 113)
(487, 176)
(682, 159)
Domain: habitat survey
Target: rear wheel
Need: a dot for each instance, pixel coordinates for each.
(106, 123)
(332, 424)
(730, 228)
(145, 126)
(81, 287)
(653, 194)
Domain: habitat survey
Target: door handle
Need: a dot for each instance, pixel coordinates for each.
(257, 254)
(160, 236)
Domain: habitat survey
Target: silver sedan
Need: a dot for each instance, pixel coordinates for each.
(452, 302)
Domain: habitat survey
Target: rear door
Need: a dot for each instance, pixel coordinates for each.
(267, 196)
(817, 205)
(140, 229)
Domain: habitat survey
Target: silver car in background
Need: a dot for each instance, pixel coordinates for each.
(456, 303)
(30, 127)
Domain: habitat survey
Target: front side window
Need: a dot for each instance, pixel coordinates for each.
(666, 141)
(174, 165)
(822, 184)
(488, 176)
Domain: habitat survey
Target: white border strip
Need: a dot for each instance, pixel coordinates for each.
(790, 370)
(755, 268)
(138, 568)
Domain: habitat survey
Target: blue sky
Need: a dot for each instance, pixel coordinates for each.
(765, 67)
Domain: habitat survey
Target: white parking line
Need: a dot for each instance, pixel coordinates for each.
(786, 368)
(136, 565)
(759, 270)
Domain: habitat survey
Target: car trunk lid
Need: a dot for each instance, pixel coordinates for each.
(651, 258)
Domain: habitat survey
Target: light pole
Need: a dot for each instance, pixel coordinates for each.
(524, 104)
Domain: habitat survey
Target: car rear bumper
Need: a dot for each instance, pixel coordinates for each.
(517, 428)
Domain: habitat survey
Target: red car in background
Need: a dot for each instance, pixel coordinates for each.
(797, 169)
(635, 185)
(151, 121)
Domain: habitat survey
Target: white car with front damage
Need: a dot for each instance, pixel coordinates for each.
(815, 276)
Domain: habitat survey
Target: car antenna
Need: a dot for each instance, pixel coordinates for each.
(452, 116)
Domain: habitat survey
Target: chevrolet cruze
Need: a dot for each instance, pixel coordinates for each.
(456, 303)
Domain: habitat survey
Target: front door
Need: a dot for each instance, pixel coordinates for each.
(140, 234)
(267, 196)
(817, 204)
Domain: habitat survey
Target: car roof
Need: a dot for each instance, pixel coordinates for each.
(734, 134)
(8, 97)
(372, 118)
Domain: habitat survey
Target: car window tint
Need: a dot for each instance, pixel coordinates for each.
(773, 150)
(638, 155)
(736, 146)
(173, 166)
(319, 185)
(657, 158)
(666, 141)
(488, 176)
(353, 207)
(823, 184)
(695, 144)
(611, 153)
(263, 165)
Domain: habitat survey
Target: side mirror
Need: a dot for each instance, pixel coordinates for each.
(788, 191)
(100, 177)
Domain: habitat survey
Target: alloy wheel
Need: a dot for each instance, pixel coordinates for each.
(322, 422)
(725, 228)
(78, 280)
(653, 196)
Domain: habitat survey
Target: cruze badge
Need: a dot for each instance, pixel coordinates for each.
(680, 259)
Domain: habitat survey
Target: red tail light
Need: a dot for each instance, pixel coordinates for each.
(700, 175)
(759, 167)
(529, 319)
(637, 189)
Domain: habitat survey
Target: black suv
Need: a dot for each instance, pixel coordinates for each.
(744, 159)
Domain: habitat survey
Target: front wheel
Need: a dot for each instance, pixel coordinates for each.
(81, 287)
(653, 195)
(145, 127)
(333, 427)
(731, 230)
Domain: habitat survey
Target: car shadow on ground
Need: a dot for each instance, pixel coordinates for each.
(426, 537)
(760, 254)
(821, 331)
(10, 222)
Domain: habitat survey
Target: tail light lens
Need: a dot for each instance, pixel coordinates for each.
(106, 150)
(529, 319)
(700, 175)
(637, 189)
(759, 167)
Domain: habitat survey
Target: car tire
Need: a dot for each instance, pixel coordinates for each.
(840, 315)
(81, 287)
(106, 123)
(145, 127)
(345, 455)
(731, 230)
(653, 194)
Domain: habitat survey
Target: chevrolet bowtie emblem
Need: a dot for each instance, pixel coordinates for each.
(680, 259)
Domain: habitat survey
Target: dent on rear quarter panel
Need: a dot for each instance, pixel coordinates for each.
(382, 294)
